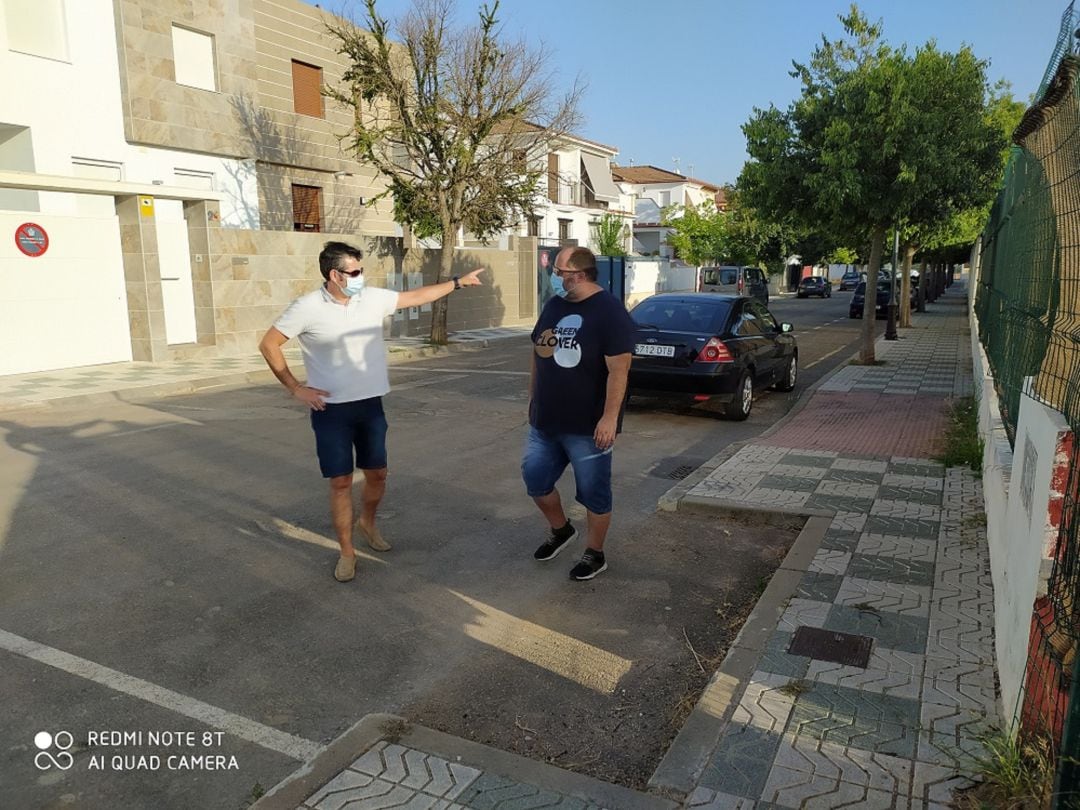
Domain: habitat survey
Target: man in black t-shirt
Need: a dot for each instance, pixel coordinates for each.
(582, 346)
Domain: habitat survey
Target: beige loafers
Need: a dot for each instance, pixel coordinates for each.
(374, 538)
(346, 568)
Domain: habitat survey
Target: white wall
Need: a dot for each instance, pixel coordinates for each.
(73, 109)
(647, 276)
(67, 307)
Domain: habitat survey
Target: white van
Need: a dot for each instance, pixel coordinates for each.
(734, 280)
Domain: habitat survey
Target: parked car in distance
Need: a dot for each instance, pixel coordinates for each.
(858, 300)
(814, 285)
(704, 346)
(735, 280)
(850, 280)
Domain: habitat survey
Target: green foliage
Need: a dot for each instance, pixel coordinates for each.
(842, 255)
(877, 138)
(699, 233)
(963, 444)
(1015, 774)
(609, 234)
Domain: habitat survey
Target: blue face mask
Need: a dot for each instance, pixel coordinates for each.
(353, 285)
(557, 286)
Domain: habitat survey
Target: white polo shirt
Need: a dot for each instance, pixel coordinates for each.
(342, 343)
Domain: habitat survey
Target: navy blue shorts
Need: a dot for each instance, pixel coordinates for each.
(546, 457)
(345, 427)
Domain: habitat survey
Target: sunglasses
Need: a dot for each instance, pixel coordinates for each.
(568, 273)
(351, 273)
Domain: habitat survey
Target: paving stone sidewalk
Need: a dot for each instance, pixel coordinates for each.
(904, 562)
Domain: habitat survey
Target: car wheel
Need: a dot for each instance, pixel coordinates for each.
(743, 401)
(791, 375)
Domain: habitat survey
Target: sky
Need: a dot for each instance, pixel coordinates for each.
(674, 80)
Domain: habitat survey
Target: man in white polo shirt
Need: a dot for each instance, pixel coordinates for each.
(339, 328)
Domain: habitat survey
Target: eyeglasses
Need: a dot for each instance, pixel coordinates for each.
(573, 274)
(351, 273)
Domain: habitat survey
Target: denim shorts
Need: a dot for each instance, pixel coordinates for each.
(345, 427)
(546, 457)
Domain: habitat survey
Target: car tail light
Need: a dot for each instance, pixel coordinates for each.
(715, 352)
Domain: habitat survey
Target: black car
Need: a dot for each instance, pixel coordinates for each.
(850, 280)
(705, 346)
(814, 285)
(859, 298)
(882, 309)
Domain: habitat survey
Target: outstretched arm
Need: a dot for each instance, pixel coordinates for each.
(433, 292)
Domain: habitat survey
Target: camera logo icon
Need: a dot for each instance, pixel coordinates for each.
(45, 758)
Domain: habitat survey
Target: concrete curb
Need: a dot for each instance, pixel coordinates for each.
(685, 761)
(227, 380)
(346, 749)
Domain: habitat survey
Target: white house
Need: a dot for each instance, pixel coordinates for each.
(655, 190)
(579, 190)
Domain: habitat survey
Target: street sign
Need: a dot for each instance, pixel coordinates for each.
(31, 239)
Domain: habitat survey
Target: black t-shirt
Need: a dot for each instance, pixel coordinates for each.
(570, 341)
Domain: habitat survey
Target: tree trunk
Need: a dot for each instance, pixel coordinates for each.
(446, 272)
(866, 353)
(923, 284)
(905, 285)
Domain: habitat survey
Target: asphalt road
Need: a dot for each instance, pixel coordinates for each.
(166, 567)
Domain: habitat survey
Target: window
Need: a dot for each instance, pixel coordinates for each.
(564, 229)
(307, 211)
(749, 325)
(768, 322)
(307, 89)
(193, 58)
(36, 27)
(534, 226)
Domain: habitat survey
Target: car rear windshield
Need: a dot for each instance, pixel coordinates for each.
(681, 316)
(810, 280)
(720, 275)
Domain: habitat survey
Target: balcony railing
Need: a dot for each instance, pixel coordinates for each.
(577, 194)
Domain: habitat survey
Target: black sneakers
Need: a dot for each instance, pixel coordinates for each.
(556, 543)
(591, 563)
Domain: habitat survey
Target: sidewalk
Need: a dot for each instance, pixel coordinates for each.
(883, 710)
(902, 568)
(140, 381)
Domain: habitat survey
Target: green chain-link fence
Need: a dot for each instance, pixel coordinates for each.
(1028, 304)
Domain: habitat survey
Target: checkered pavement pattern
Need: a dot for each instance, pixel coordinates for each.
(904, 562)
(393, 776)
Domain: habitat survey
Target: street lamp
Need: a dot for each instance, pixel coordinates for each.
(890, 325)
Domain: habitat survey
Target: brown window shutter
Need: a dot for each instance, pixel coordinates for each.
(307, 89)
(306, 207)
(553, 177)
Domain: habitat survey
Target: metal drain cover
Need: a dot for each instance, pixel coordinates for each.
(829, 645)
(680, 472)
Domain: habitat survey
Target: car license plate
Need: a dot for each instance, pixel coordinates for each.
(649, 350)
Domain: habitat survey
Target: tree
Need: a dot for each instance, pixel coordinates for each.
(699, 232)
(609, 234)
(458, 122)
(875, 136)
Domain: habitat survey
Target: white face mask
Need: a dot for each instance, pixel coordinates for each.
(353, 284)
